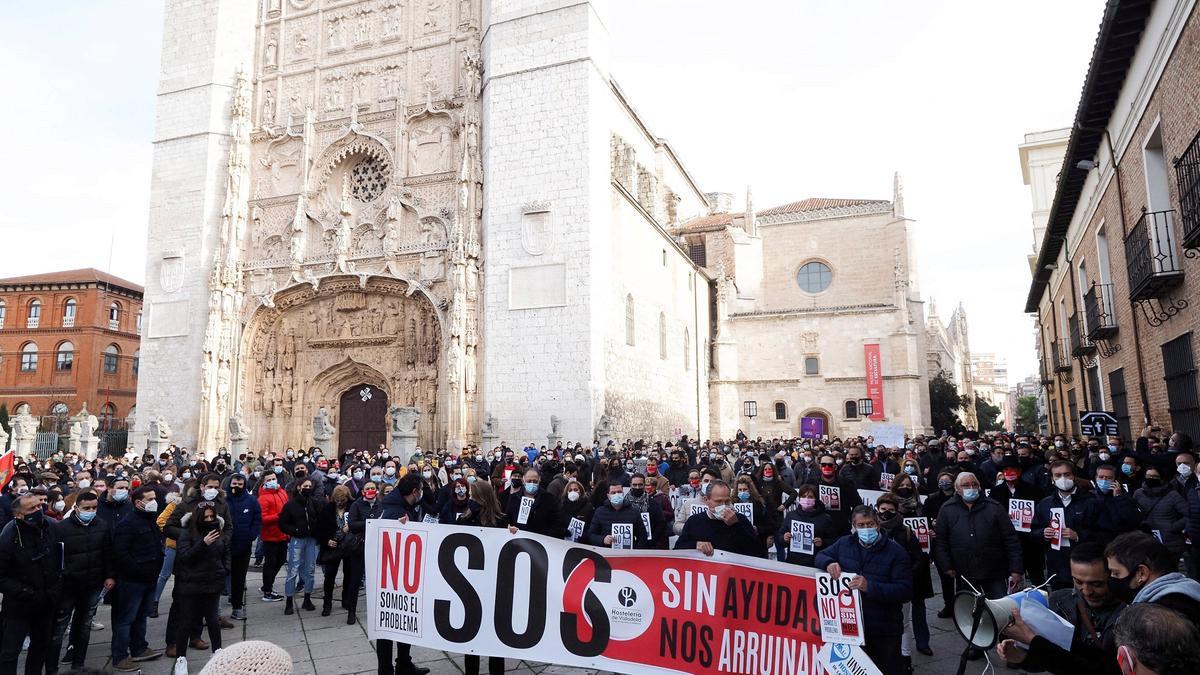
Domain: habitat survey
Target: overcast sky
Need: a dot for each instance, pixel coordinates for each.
(796, 98)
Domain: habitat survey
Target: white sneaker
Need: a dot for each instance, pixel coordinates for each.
(96, 625)
(181, 666)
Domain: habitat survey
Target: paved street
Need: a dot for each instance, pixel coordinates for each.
(326, 645)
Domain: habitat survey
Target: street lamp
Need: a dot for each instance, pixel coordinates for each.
(866, 407)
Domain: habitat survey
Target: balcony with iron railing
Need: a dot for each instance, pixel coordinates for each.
(1099, 312)
(1187, 174)
(1080, 344)
(1151, 258)
(1059, 357)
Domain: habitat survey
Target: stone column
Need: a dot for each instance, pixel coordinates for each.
(239, 435)
(159, 437)
(24, 433)
(137, 437)
(404, 432)
(3, 440)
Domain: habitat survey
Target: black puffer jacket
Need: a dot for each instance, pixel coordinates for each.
(299, 517)
(87, 551)
(137, 548)
(200, 569)
(543, 517)
(29, 568)
(977, 543)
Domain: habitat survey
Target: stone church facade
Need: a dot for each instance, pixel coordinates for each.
(438, 221)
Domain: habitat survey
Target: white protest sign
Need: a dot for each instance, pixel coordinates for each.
(920, 529)
(646, 523)
(1057, 541)
(746, 509)
(575, 529)
(622, 535)
(803, 535)
(1020, 512)
(831, 497)
(526, 508)
(840, 609)
(887, 435)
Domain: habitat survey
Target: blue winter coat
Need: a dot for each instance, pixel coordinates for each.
(889, 579)
(246, 514)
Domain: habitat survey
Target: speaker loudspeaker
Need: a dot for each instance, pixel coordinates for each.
(994, 617)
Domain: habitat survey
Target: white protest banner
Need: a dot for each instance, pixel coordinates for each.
(847, 660)
(575, 529)
(920, 529)
(831, 497)
(524, 510)
(803, 535)
(622, 535)
(841, 610)
(1020, 512)
(1057, 541)
(483, 591)
(746, 509)
(887, 435)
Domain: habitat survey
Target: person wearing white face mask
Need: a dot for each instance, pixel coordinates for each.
(1082, 515)
(614, 510)
(574, 504)
(137, 558)
(1185, 473)
(719, 527)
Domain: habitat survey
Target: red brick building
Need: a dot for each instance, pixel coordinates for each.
(69, 338)
(1116, 278)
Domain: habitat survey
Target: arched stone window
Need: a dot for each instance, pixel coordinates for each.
(629, 332)
(780, 410)
(852, 410)
(114, 316)
(65, 357)
(111, 356)
(29, 357)
(68, 319)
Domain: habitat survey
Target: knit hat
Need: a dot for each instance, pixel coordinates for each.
(252, 657)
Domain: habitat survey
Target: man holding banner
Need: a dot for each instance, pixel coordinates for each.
(403, 504)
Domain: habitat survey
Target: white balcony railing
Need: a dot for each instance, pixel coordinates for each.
(113, 324)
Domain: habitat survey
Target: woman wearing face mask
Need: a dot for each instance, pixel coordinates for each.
(339, 547)
(884, 582)
(459, 509)
(891, 522)
(777, 495)
(810, 510)
(486, 512)
(202, 562)
(912, 469)
(298, 521)
(765, 522)
(1164, 510)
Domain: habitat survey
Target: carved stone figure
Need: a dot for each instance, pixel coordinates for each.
(238, 429)
(323, 428)
(271, 56)
(489, 425)
(159, 429)
(268, 112)
(469, 374)
(555, 424)
(433, 12)
(404, 419)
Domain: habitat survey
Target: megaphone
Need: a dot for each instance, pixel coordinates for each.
(980, 620)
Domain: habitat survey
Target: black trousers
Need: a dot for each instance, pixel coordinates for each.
(383, 654)
(471, 664)
(176, 618)
(884, 650)
(76, 608)
(351, 567)
(193, 609)
(36, 623)
(274, 557)
(240, 562)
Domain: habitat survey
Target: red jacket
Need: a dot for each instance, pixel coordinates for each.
(272, 502)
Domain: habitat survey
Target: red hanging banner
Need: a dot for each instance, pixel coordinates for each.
(874, 380)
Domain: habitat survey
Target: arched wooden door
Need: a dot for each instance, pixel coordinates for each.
(362, 418)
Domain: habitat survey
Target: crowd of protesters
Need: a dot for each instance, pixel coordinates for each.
(77, 533)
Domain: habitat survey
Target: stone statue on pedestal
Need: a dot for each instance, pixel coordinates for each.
(239, 434)
(323, 430)
(404, 431)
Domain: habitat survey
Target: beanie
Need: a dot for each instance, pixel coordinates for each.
(252, 657)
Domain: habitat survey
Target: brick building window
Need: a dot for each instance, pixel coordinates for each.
(29, 358)
(114, 316)
(1179, 371)
(65, 358)
(111, 355)
(1120, 401)
(107, 414)
(629, 334)
(35, 314)
(3, 310)
(69, 314)
(137, 360)
(698, 253)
